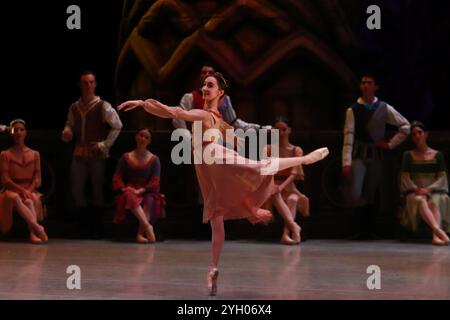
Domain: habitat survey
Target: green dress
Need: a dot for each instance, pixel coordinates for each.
(429, 174)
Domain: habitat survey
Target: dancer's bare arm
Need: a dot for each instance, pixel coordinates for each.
(161, 110)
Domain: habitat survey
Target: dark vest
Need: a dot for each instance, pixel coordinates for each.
(370, 125)
(94, 130)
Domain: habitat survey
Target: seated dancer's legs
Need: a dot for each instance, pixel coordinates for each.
(34, 238)
(304, 201)
(292, 202)
(30, 218)
(439, 236)
(144, 226)
(443, 239)
(283, 210)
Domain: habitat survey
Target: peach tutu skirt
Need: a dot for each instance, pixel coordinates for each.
(236, 187)
(232, 189)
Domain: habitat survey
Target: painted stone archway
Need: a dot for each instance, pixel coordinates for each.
(282, 57)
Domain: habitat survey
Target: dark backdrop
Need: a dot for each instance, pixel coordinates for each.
(41, 58)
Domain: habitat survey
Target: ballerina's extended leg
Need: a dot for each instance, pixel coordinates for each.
(273, 165)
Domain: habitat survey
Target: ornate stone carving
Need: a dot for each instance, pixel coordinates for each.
(295, 46)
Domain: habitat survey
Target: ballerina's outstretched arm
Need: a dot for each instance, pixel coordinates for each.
(161, 110)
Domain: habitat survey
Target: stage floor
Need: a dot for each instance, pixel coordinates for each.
(176, 269)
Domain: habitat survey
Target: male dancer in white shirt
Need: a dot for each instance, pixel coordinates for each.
(86, 122)
(362, 152)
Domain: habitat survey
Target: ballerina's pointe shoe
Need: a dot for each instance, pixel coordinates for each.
(446, 239)
(285, 239)
(295, 229)
(141, 239)
(438, 242)
(316, 156)
(441, 235)
(150, 234)
(41, 234)
(35, 239)
(212, 276)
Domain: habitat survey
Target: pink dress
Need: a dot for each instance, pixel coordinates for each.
(234, 191)
(22, 174)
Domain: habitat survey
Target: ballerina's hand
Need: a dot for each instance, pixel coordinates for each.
(130, 105)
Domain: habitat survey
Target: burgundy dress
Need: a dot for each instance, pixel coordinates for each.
(146, 176)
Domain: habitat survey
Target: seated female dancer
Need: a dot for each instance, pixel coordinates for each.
(424, 183)
(136, 182)
(20, 170)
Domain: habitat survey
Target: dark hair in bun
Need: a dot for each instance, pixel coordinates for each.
(418, 124)
(283, 119)
(223, 84)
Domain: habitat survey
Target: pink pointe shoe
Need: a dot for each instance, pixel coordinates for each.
(295, 230)
(141, 239)
(285, 239)
(438, 242)
(440, 237)
(315, 156)
(212, 276)
(34, 239)
(150, 234)
(40, 232)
